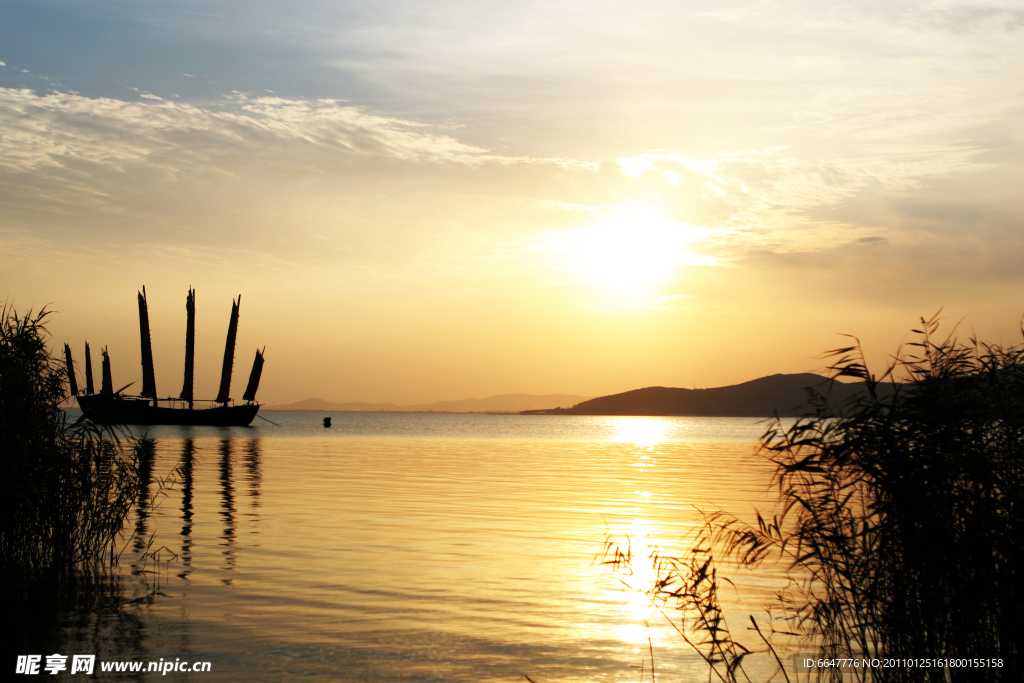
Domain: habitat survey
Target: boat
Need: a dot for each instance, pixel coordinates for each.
(110, 407)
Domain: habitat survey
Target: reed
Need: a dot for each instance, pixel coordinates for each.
(685, 592)
(65, 490)
(900, 518)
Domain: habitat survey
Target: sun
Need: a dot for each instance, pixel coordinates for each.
(627, 254)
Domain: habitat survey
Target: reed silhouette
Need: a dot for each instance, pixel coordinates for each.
(899, 522)
(65, 490)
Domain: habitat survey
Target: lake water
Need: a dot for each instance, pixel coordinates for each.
(403, 547)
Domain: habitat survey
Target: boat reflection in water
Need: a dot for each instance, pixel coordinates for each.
(227, 509)
(145, 497)
(185, 477)
(115, 407)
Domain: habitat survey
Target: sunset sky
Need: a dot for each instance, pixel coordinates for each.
(427, 201)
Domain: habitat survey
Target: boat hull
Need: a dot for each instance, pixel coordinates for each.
(135, 411)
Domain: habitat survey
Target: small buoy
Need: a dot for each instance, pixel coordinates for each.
(327, 422)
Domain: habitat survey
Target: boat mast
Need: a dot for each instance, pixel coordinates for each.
(148, 376)
(108, 384)
(71, 371)
(89, 388)
(190, 348)
(254, 376)
(229, 354)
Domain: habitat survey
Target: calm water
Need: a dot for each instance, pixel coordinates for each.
(419, 547)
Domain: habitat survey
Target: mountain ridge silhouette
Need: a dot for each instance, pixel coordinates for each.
(778, 394)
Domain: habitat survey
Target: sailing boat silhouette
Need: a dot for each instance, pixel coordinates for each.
(116, 407)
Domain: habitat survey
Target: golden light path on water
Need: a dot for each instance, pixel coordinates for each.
(649, 625)
(638, 577)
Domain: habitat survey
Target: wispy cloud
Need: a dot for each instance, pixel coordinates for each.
(766, 199)
(54, 128)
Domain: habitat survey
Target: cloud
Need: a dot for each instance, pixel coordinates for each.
(762, 199)
(247, 165)
(54, 128)
(269, 180)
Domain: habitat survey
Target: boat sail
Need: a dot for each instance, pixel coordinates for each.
(148, 376)
(254, 377)
(116, 407)
(108, 384)
(72, 380)
(190, 348)
(88, 371)
(229, 354)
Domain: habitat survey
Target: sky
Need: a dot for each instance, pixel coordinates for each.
(430, 201)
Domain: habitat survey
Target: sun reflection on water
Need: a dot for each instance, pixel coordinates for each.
(645, 432)
(640, 579)
(638, 576)
(633, 634)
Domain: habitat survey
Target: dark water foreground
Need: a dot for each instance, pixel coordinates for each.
(401, 548)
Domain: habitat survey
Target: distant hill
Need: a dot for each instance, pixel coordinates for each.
(505, 403)
(319, 405)
(783, 395)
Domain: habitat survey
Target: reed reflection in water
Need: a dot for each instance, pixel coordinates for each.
(429, 559)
